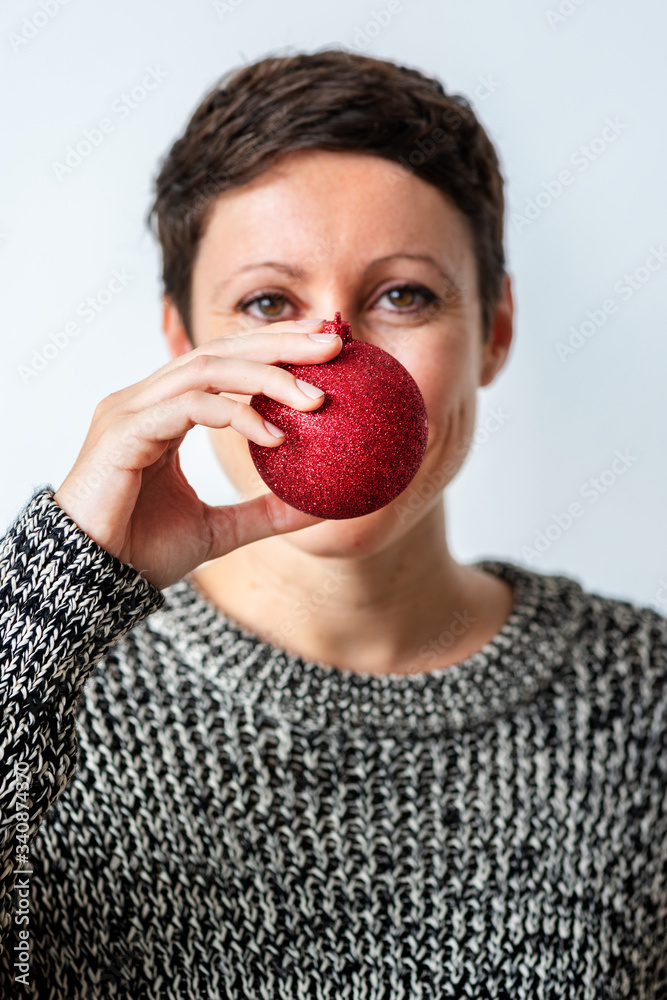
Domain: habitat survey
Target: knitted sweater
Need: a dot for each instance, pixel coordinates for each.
(190, 812)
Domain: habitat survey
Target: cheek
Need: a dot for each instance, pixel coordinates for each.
(449, 390)
(447, 371)
(450, 434)
(450, 394)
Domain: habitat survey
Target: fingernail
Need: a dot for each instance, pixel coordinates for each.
(308, 389)
(309, 322)
(323, 337)
(276, 431)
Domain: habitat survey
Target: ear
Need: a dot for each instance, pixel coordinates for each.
(178, 341)
(496, 349)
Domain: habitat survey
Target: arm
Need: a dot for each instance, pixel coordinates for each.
(64, 601)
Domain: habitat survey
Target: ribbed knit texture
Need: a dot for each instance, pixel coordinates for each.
(212, 817)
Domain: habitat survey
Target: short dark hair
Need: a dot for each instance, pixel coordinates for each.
(333, 100)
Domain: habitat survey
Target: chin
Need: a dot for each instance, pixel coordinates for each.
(356, 536)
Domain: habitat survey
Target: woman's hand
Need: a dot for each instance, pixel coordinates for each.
(127, 490)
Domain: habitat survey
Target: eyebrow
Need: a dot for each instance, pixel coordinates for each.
(292, 271)
(299, 273)
(419, 256)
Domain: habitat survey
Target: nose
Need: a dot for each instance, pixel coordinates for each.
(340, 298)
(332, 301)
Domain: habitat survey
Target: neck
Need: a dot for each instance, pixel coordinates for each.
(406, 608)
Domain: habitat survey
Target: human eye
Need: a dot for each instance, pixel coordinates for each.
(408, 298)
(269, 305)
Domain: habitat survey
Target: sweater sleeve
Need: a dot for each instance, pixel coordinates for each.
(64, 601)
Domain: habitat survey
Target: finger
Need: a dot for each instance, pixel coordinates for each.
(137, 440)
(242, 523)
(265, 347)
(255, 340)
(270, 347)
(208, 373)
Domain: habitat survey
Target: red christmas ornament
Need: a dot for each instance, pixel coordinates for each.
(360, 448)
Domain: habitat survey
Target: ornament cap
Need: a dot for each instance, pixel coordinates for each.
(340, 326)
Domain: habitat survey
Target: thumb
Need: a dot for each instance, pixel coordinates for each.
(239, 524)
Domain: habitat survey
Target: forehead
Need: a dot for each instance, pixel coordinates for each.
(362, 204)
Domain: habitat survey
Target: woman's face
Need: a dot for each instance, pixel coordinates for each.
(322, 232)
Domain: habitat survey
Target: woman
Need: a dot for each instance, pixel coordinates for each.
(248, 752)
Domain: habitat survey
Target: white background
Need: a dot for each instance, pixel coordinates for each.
(543, 84)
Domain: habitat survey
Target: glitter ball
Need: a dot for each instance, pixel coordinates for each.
(360, 448)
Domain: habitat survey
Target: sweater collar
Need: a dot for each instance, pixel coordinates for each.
(508, 671)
